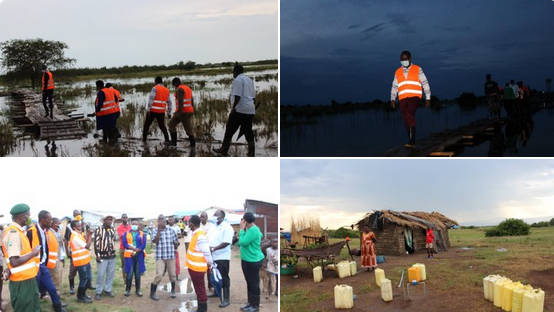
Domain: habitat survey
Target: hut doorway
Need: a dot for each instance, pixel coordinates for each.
(408, 240)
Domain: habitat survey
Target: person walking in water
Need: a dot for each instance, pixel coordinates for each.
(409, 80)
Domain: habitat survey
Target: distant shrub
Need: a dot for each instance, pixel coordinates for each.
(540, 224)
(552, 221)
(509, 227)
(343, 233)
(470, 227)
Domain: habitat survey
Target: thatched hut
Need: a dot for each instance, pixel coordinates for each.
(401, 233)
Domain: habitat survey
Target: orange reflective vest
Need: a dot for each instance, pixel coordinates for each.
(79, 254)
(110, 105)
(128, 252)
(52, 249)
(410, 86)
(118, 95)
(50, 84)
(195, 259)
(27, 270)
(160, 101)
(187, 101)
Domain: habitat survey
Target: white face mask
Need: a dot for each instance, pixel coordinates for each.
(405, 63)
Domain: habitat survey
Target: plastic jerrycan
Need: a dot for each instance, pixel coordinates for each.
(517, 297)
(344, 297)
(353, 268)
(486, 288)
(343, 268)
(386, 289)
(318, 274)
(507, 295)
(533, 301)
(379, 275)
(414, 274)
(422, 271)
(499, 291)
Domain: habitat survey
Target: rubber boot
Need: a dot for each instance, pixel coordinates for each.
(173, 139)
(225, 298)
(51, 111)
(47, 113)
(89, 285)
(223, 149)
(72, 286)
(127, 288)
(255, 304)
(202, 306)
(251, 149)
(82, 296)
(192, 142)
(411, 138)
(58, 308)
(173, 295)
(137, 286)
(153, 295)
(248, 305)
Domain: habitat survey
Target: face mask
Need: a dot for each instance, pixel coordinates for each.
(213, 220)
(134, 227)
(405, 63)
(28, 222)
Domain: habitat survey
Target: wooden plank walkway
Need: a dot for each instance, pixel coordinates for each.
(29, 112)
(440, 144)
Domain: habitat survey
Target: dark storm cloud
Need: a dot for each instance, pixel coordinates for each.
(351, 54)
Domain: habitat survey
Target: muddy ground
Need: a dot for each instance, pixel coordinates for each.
(368, 295)
(184, 302)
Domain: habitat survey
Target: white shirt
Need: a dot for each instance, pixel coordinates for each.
(176, 229)
(222, 233)
(272, 260)
(244, 87)
(188, 237)
(206, 227)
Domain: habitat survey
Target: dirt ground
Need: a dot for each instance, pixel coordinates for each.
(368, 295)
(184, 302)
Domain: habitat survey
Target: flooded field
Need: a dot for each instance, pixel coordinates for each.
(212, 99)
(369, 133)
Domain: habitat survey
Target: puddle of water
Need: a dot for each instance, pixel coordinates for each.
(466, 248)
(184, 287)
(189, 305)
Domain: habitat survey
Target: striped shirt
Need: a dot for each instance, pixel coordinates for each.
(165, 248)
(422, 79)
(104, 243)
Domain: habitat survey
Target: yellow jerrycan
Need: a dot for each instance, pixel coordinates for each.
(379, 275)
(422, 271)
(386, 289)
(353, 268)
(343, 268)
(499, 291)
(517, 297)
(533, 301)
(414, 274)
(318, 274)
(344, 297)
(507, 295)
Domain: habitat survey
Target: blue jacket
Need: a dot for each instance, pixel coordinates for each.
(141, 244)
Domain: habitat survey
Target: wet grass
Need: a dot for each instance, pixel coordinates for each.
(7, 138)
(106, 150)
(267, 114)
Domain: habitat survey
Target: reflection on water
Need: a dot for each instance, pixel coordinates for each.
(188, 305)
(369, 133)
(183, 287)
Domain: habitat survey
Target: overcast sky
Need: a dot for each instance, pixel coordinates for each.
(478, 192)
(138, 32)
(145, 187)
(349, 50)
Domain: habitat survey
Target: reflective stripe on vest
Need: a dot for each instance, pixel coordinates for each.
(52, 249)
(27, 270)
(110, 105)
(160, 100)
(195, 259)
(50, 84)
(187, 101)
(410, 86)
(118, 95)
(79, 255)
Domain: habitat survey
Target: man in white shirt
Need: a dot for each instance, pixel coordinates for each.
(220, 238)
(243, 99)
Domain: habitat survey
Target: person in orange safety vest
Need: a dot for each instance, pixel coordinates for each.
(47, 88)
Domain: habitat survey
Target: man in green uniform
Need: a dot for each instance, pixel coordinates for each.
(22, 262)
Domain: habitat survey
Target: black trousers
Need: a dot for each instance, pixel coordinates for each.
(236, 120)
(251, 271)
(161, 123)
(223, 267)
(47, 94)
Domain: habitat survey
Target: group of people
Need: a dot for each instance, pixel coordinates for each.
(179, 111)
(35, 257)
(514, 96)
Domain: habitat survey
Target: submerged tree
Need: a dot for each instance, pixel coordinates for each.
(23, 59)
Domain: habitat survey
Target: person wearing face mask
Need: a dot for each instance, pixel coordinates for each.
(57, 271)
(79, 244)
(123, 228)
(409, 80)
(206, 227)
(22, 262)
(199, 262)
(177, 230)
(134, 242)
(39, 235)
(220, 239)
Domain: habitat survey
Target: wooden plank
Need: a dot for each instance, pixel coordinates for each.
(442, 154)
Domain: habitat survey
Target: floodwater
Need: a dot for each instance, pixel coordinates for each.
(209, 127)
(370, 133)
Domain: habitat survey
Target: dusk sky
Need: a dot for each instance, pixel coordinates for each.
(123, 32)
(349, 50)
(473, 192)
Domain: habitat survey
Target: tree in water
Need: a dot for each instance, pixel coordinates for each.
(23, 59)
